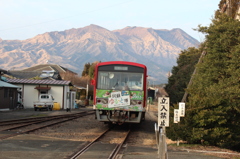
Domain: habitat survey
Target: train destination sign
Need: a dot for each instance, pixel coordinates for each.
(120, 68)
(163, 111)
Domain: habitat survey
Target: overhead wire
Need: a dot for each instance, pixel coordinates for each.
(67, 16)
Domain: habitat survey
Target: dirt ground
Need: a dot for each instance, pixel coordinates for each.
(87, 128)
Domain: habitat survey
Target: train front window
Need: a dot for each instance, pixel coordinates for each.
(120, 80)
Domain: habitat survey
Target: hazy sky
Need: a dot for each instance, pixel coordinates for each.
(23, 19)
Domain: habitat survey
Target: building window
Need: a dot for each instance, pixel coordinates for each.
(43, 92)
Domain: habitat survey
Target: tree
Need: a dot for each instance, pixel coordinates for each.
(177, 83)
(214, 99)
(181, 74)
(92, 69)
(86, 69)
(69, 76)
(89, 69)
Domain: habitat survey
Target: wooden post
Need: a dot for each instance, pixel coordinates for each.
(162, 146)
(157, 134)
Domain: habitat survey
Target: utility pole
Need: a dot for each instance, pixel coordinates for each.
(230, 8)
(87, 91)
(194, 72)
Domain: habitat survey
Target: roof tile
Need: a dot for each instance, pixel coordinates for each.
(28, 81)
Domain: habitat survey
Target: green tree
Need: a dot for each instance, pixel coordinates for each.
(92, 69)
(89, 69)
(85, 71)
(214, 98)
(177, 83)
(181, 74)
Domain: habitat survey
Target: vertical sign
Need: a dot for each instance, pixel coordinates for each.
(176, 118)
(182, 109)
(163, 111)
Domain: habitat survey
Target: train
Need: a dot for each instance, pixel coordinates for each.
(120, 92)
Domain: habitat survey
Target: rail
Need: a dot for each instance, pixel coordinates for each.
(44, 126)
(112, 155)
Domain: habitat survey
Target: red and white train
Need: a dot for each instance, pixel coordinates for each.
(120, 92)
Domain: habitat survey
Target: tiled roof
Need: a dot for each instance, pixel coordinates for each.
(28, 81)
(41, 67)
(36, 71)
(30, 74)
(25, 74)
(1, 70)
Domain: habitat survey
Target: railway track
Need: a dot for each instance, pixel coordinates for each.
(99, 144)
(32, 124)
(26, 120)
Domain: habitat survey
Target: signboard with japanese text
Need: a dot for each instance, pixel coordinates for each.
(182, 109)
(116, 94)
(176, 117)
(117, 100)
(163, 111)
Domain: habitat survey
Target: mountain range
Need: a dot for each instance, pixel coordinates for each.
(158, 49)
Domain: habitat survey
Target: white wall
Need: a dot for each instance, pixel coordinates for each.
(30, 94)
(57, 93)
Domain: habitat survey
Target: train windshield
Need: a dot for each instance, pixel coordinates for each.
(120, 80)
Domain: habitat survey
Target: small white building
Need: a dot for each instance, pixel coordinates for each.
(59, 89)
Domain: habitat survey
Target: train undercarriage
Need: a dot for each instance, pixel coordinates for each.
(119, 116)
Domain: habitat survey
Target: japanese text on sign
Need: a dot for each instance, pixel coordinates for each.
(163, 111)
(116, 95)
(182, 109)
(176, 117)
(117, 100)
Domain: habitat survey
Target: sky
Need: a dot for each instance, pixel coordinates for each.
(23, 19)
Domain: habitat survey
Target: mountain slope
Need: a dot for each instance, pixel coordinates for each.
(158, 49)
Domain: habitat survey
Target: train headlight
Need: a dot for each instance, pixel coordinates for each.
(134, 102)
